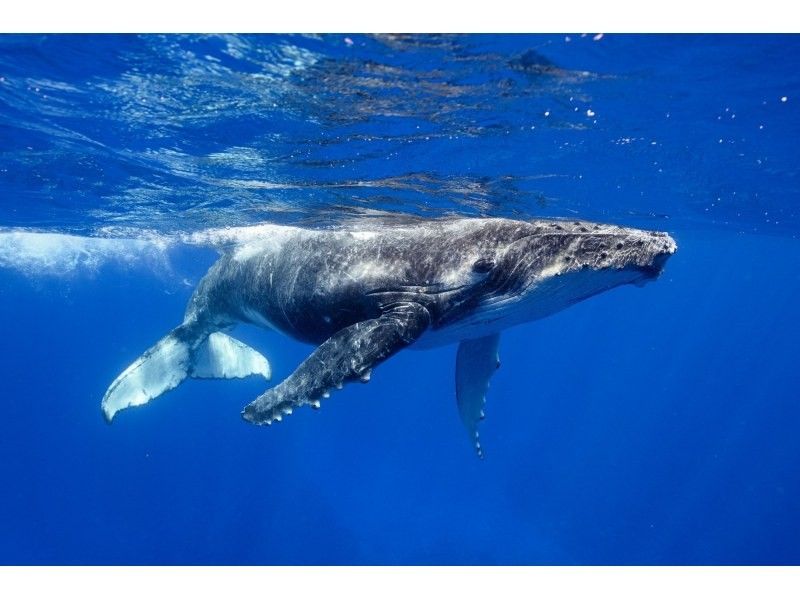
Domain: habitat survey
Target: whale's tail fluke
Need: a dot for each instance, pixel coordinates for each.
(174, 358)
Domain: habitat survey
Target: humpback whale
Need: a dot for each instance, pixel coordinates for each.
(361, 294)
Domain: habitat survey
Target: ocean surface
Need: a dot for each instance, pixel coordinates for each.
(655, 425)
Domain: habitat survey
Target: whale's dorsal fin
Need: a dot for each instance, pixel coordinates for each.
(477, 360)
(175, 357)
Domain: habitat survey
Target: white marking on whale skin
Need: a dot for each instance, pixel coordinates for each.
(253, 249)
(366, 270)
(364, 235)
(551, 271)
(247, 241)
(255, 317)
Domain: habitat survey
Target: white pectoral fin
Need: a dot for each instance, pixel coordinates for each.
(222, 356)
(477, 360)
(172, 359)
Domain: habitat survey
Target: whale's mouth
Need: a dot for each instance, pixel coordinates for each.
(653, 270)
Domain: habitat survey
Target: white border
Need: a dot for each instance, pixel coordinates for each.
(408, 16)
(518, 16)
(388, 582)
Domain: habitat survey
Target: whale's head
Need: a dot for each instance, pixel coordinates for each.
(553, 264)
(587, 256)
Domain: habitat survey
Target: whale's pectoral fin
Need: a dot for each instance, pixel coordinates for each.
(348, 355)
(477, 360)
(175, 357)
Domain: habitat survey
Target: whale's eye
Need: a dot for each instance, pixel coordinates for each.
(483, 265)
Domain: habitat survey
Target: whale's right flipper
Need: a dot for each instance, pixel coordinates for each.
(476, 362)
(175, 357)
(348, 355)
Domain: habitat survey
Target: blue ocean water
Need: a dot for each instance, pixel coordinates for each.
(653, 425)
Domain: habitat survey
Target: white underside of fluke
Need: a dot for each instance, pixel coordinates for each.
(170, 361)
(222, 356)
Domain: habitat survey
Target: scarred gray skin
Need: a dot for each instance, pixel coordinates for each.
(362, 295)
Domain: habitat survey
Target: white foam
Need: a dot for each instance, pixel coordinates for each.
(37, 253)
(46, 253)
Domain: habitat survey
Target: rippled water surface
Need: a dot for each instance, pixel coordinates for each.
(179, 133)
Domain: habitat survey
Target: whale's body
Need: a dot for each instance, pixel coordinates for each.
(363, 294)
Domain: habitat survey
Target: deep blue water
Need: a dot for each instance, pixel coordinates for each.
(654, 425)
